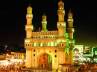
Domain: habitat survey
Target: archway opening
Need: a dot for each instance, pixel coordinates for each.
(45, 61)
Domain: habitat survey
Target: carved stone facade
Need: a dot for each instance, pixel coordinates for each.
(49, 49)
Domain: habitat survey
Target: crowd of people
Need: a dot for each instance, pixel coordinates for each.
(19, 67)
(14, 67)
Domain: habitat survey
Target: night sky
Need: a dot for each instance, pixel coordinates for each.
(13, 19)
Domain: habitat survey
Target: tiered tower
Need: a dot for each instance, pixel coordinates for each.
(70, 31)
(45, 49)
(29, 26)
(70, 25)
(61, 24)
(44, 23)
(29, 29)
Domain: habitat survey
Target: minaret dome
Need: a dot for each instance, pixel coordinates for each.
(44, 23)
(60, 5)
(44, 17)
(70, 15)
(29, 10)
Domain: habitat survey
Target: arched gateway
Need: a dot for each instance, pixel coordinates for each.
(44, 61)
(45, 48)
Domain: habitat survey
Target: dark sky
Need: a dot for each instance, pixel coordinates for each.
(13, 19)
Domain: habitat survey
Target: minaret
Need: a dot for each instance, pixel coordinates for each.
(44, 23)
(29, 26)
(61, 24)
(70, 25)
(70, 30)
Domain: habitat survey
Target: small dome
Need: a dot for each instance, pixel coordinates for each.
(61, 4)
(70, 15)
(29, 10)
(44, 17)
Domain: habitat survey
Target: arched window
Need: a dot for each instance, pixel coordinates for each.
(55, 51)
(52, 44)
(33, 54)
(34, 50)
(34, 44)
(55, 55)
(49, 44)
(41, 44)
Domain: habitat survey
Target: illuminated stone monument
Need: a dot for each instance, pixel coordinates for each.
(49, 49)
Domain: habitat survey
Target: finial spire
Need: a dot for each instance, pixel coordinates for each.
(44, 22)
(60, 4)
(61, 11)
(70, 15)
(70, 19)
(29, 26)
(29, 9)
(44, 17)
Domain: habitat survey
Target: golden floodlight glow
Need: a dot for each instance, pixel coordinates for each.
(45, 48)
